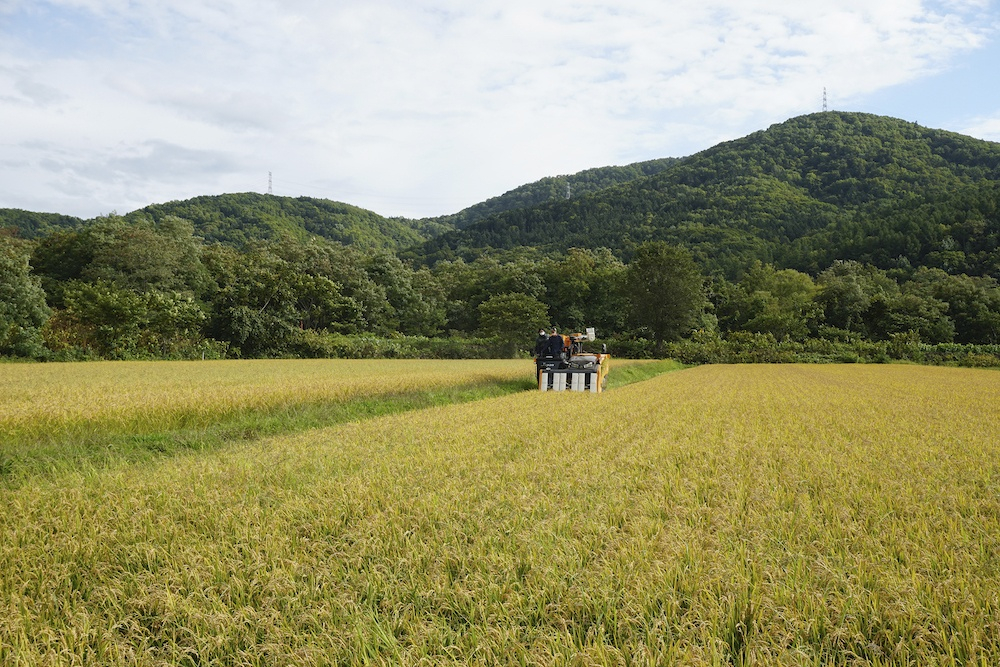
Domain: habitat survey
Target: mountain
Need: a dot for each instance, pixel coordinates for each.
(800, 194)
(31, 225)
(236, 218)
(555, 188)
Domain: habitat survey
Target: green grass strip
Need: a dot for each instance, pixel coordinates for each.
(22, 461)
(631, 372)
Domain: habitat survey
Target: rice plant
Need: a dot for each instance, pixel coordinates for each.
(58, 417)
(722, 515)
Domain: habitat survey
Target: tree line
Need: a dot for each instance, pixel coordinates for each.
(141, 288)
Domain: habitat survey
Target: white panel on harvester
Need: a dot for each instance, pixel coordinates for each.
(559, 383)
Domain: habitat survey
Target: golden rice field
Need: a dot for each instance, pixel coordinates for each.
(143, 395)
(720, 515)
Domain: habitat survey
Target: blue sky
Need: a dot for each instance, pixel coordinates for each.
(423, 107)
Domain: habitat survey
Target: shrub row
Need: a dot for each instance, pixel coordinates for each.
(744, 347)
(316, 345)
(701, 348)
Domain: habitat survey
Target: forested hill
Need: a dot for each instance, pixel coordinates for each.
(236, 218)
(555, 188)
(800, 194)
(31, 225)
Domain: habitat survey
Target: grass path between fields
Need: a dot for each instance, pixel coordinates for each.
(93, 447)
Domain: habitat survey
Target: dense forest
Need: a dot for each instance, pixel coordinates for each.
(800, 195)
(238, 218)
(834, 236)
(555, 188)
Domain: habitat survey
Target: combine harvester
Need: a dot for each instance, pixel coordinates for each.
(572, 369)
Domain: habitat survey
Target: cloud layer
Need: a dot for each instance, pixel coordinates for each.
(421, 108)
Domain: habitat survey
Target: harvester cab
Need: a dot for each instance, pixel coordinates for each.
(573, 369)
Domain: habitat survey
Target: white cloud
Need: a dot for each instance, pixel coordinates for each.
(421, 108)
(984, 128)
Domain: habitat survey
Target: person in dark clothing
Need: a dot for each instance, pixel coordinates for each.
(554, 346)
(540, 342)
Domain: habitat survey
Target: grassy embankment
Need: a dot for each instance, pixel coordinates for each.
(746, 515)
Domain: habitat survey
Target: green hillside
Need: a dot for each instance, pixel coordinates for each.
(555, 188)
(31, 225)
(236, 218)
(799, 194)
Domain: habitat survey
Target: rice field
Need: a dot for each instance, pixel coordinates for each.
(721, 515)
(80, 416)
(161, 395)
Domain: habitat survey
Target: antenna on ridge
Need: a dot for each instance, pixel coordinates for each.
(824, 99)
(270, 188)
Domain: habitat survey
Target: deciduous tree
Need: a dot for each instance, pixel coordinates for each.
(512, 319)
(22, 302)
(665, 289)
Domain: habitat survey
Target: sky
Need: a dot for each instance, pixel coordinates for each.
(423, 107)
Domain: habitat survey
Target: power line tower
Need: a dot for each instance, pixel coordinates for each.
(824, 99)
(270, 184)
(569, 191)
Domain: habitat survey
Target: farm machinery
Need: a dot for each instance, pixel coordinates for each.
(567, 367)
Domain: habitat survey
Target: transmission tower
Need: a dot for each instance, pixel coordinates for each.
(270, 184)
(569, 191)
(824, 99)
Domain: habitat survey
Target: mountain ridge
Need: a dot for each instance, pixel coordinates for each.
(235, 218)
(767, 196)
(799, 194)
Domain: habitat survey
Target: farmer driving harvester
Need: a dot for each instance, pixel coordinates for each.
(555, 346)
(562, 365)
